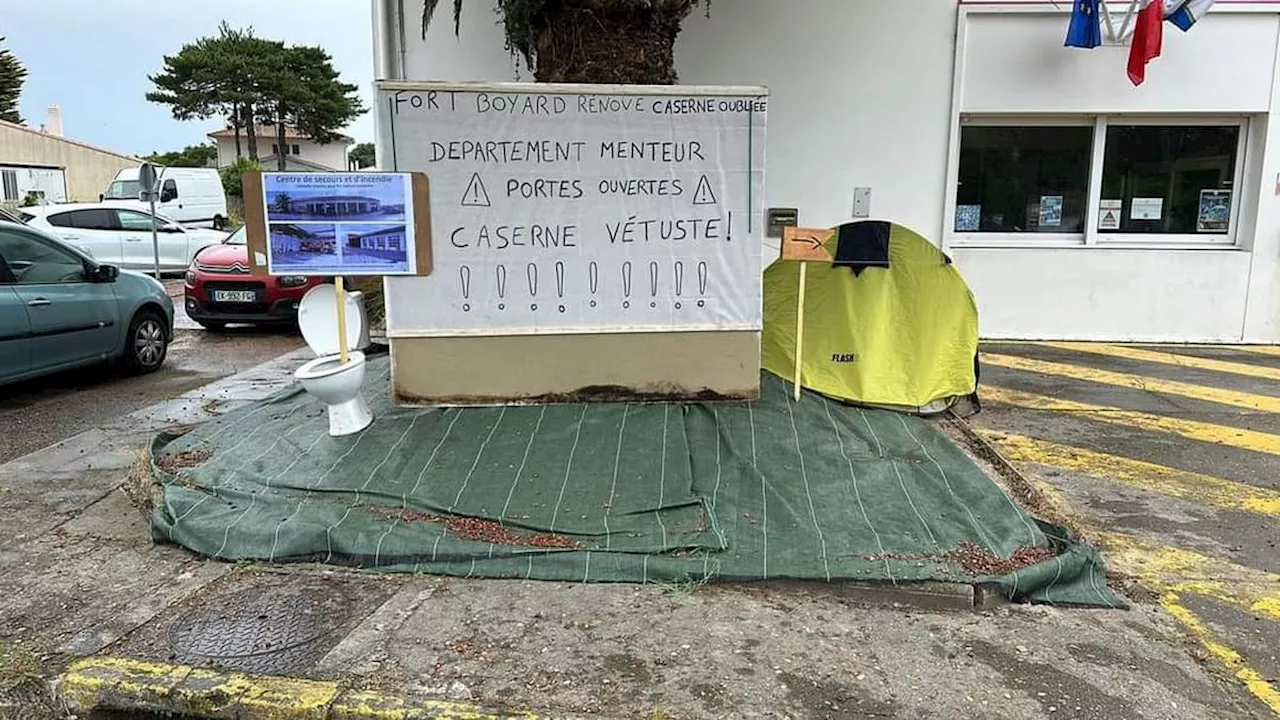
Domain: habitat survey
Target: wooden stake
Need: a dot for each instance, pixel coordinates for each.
(800, 328)
(342, 319)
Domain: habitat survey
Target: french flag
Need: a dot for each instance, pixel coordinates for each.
(1148, 36)
(1184, 13)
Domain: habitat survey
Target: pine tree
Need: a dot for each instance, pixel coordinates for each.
(218, 76)
(304, 91)
(12, 76)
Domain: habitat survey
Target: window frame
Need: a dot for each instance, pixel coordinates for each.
(1092, 237)
(121, 213)
(7, 278)
(8, 179)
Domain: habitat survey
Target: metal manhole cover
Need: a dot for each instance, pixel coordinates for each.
(263, 630)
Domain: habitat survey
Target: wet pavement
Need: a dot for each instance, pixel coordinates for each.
(1169, 459)
(1179, 495)
(41, 412)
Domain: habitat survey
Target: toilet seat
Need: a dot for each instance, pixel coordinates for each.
(327, 365)
(318, 320)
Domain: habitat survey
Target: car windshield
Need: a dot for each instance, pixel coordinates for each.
(123, 190)
(236, 238)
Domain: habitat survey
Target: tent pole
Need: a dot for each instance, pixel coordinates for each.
(800, 327)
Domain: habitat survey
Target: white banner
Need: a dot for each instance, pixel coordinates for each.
(580, 209)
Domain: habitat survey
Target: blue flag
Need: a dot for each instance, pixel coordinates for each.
(1086, 26)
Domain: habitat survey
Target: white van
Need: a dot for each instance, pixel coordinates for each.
(190, 196)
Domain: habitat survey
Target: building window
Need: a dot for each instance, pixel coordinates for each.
(1168, 179)
(295, 150)
(1098, 180)
(1023, 179)
(9, 179)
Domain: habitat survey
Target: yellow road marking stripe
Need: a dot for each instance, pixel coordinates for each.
(1249, 401)
(1171, 572)
(1167, 569)
(131, 683)
(1161, 568)
(1191, 429)
(1182, 484)
(1168, 358)
(1252, 679)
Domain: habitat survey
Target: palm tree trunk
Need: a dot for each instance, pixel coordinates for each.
(603, 41)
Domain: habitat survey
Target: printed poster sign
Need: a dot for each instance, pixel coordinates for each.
(968, 218)
(1109, 212)
(339, 223)
(1215, 211)
(1050, 211)
(1146, 208)
(563, 209)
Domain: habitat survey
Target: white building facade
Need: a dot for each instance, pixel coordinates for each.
(301, 151)
(1076, 205)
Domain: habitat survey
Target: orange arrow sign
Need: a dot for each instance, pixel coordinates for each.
(806, 244)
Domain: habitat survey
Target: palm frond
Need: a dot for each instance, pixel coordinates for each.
(429, 11)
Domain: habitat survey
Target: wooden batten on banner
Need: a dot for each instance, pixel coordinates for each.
(255, 218)
(255, 222)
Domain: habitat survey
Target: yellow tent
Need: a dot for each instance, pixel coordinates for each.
(890, 322)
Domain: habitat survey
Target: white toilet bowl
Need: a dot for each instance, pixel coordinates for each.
(338, 385)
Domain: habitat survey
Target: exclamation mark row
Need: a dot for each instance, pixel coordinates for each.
(593, 280)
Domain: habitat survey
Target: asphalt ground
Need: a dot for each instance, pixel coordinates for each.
(1169, 459)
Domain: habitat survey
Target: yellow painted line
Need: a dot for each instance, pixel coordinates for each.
(114, 683)
(1273, 350)
(1168, 358)
(1182, 484)
(1167, 569)
(1162, 569)
(1252, 679)
(1190, 429)
(1170, 573)
(1222, 396)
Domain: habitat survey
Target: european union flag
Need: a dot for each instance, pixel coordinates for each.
(1086, 26)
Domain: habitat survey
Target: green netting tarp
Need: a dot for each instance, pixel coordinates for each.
(662, 492)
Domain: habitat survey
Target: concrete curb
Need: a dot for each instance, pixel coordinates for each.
(130, 685)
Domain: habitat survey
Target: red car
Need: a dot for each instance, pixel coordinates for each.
(220, 290)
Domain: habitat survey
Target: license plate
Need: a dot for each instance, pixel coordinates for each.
(234, 296)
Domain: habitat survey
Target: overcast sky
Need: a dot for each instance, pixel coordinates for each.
(92, 57)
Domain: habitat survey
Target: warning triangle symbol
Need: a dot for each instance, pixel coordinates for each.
(476, 195)
(1110, 217)
(703, 195)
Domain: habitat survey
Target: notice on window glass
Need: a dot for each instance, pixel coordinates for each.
(1051, 211)
(1215, 211)
(1109, 214)
(968, 218)
(1146, 209)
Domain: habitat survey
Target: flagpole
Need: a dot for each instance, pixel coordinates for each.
(1128, 18)
(1111, 26)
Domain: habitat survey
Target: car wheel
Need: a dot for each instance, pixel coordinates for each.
(146, 344)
